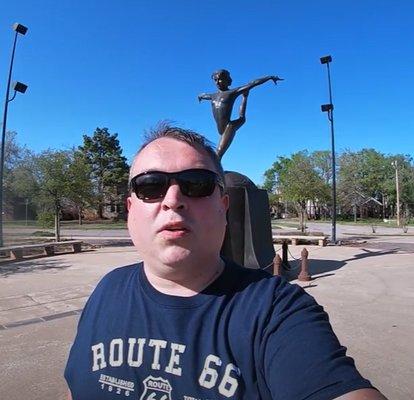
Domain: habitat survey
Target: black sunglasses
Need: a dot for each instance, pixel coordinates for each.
(153, 185)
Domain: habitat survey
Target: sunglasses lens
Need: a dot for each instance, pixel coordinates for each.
(192, 183)
(197, 183)
(150, 186)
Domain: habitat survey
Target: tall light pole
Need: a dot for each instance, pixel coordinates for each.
(329, 109)
(17, 87)
(397, 188)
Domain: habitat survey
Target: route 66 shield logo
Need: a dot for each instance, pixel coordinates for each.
(156, 389)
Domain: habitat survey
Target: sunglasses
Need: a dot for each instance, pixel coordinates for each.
(153, 185)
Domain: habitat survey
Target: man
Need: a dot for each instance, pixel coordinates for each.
(185, 324)
(222, 104)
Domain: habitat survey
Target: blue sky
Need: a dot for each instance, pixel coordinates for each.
(127, 64)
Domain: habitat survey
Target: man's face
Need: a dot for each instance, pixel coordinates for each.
(176, 228)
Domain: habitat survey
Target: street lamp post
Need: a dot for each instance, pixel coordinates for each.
(329, 109)
(17, 87)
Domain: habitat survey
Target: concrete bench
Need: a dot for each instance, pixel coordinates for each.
(17, 252)
(294, 239)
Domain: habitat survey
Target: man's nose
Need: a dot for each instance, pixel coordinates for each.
(174, 199)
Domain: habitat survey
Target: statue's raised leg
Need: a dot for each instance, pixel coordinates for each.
(228, 135)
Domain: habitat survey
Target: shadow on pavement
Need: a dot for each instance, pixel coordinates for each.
(316, 267)
(369, 253)
(31, 265)
(111, 243)
(320, 266)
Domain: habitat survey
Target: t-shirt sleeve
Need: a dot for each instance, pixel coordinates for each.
(302, 357)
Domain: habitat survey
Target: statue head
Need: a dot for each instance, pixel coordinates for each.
(222, 79)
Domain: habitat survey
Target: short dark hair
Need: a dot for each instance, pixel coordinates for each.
(194, 139)
(222, 72)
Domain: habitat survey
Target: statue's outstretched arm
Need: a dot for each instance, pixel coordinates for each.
(258, 82)
(204, 96)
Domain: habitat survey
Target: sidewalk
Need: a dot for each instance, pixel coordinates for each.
(368, 293)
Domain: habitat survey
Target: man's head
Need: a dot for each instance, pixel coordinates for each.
(192, 138)
(176, 220)
(222, 79)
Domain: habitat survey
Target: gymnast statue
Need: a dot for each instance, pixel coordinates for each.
(222, 104)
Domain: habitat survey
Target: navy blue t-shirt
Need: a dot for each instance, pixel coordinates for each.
(246, 336)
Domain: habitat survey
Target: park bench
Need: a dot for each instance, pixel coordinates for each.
(16, 252)
(294, 239)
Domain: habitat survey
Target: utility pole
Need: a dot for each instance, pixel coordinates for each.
(397, 188)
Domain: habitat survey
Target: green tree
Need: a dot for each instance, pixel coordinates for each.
(19, 185)
(297, 180)
(363, 175)
(52, 171)
(350, 186)
(405, 167)
(322, 164)
(80, 190)
(109, 169)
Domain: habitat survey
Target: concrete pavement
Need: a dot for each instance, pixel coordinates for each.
(368, 294)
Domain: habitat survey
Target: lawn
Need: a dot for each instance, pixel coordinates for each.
(86, 225)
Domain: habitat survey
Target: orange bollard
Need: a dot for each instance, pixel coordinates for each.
(304, 268)
(277, 265)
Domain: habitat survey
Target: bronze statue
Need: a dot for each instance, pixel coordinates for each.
(222, 103)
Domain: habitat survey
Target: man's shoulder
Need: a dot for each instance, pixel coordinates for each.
(242, 279)
(120, 272)
(263, 287)
(118, 276)
(250, 274)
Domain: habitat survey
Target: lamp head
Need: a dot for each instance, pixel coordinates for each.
(326, 60)
(19, 87)
(19, 28)
(327, 107)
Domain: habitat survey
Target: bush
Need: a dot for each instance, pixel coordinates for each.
(46, 219)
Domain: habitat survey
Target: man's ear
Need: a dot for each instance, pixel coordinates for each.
(129, 202)
(225, 201)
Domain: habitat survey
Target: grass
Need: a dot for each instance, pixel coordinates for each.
(20, 223)
(101, 224)
(294, 222)
(107, 224)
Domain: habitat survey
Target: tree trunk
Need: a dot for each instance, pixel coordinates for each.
(57, 223)
(101, 198)
(100, 210)
(302, 218)
(80, 215)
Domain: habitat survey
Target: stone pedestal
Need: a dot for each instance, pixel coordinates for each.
(248, 239)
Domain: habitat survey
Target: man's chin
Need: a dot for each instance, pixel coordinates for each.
(175, 256)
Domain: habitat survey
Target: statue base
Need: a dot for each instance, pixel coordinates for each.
(248, 239)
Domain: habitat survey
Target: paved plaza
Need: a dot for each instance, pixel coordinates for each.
(368, 292)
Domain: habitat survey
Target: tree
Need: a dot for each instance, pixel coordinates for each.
(19, 185)
(54, 180)
(109, 169)
(350, 187)
(297, 180)
(322, 164)
(364, 175)
(80, 190)
(406, 183)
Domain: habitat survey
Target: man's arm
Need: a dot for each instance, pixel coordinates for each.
(204, 96)
(302, 356)
(70, 396)
(258, 82)
(362, 394)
